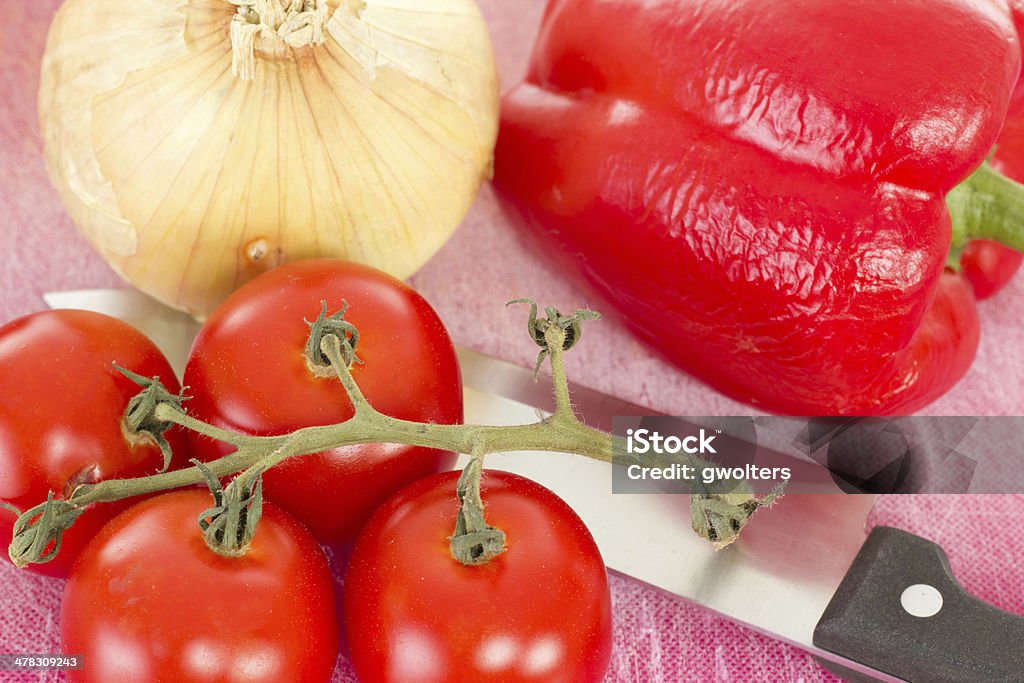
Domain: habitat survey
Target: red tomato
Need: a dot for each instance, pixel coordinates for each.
(988, 266)
(61, 409)
(538, 612)
(149, 601)
(248, 372)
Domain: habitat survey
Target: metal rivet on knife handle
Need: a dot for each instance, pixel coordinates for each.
(900, 610)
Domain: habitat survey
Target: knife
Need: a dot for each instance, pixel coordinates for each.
(879, 607)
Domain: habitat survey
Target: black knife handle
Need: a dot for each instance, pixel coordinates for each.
(965, 641)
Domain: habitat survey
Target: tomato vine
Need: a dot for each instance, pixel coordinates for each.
(156, 409)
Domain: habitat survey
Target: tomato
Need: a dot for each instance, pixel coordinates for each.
(149, 601)
(61, 409)
(988, 266)
(540, 611)
(248, 372)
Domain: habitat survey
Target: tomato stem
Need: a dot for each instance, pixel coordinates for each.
(474, 542)
(561, 432)
(331, 347)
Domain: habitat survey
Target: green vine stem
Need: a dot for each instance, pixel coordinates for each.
(474, 541)
(562, 432)
(224, 526)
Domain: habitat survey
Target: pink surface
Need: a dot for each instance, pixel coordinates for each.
(657, 637)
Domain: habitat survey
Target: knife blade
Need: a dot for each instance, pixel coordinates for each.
(804, 572)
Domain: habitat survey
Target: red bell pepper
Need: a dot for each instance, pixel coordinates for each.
(759, 186)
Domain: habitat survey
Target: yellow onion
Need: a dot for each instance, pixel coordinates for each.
(197, 143)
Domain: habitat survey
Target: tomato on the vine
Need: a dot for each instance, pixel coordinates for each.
(540, 611)
(149, 601)
(62, 404)
(248, 372)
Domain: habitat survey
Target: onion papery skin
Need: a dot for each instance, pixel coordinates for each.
(191, 180)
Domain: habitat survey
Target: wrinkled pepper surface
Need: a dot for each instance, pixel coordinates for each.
(760, 187)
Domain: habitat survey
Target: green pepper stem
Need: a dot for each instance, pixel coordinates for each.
(987, 205)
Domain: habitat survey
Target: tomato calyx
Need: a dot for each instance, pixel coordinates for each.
(37, 534)
(570, 325)
(230, 525)
(475, 542)
(334, 324)
(140, 423)
(720, 517)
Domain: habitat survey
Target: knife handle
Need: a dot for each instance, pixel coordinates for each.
(900, 610)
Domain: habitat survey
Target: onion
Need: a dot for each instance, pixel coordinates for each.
(198, 143)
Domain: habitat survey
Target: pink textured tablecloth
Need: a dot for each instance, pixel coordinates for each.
(657, 638)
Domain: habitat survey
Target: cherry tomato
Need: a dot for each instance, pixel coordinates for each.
(61, 409)
(149, 601)
(540, 611)
(248, 372)
(988, 266)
